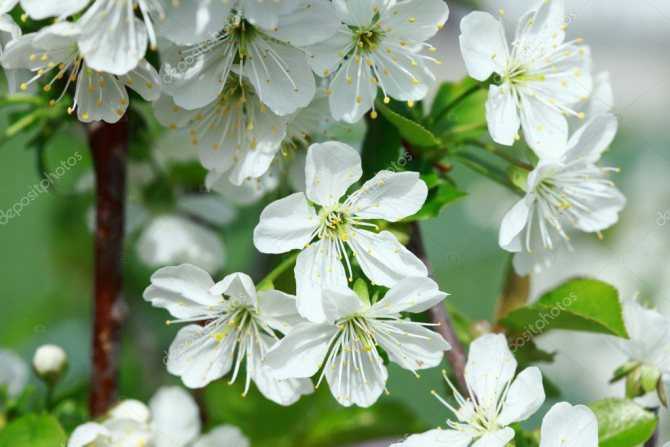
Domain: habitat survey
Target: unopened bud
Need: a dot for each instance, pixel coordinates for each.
(50, 363)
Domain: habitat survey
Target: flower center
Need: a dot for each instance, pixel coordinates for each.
(334, 224)
(367, 39)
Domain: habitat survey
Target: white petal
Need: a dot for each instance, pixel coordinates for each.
(502, 115)
(390, 196)
(409, 295)
(416, 20)
(437, 438)
(512, 226)
(544, 126)
(342, 303)
(357, 382)
(284, 392)
(356, 12)
(193, 77)
(100, 97)
(498, 438)
(311, 23)
(183, 291)
(278, 310)
(402, 74)
(175, 418)
(112, 40)
(317, 268)
(325, 57)
(261, 13)
(483, 45)
(208, 207)
(490, 368)
(14, 372)
(238, 286)
(198, 357)
(192, 22)
(40, 9)
(170, 240)
(7, 5)
(280, 73)
(542, 29)
(649, 336)
(568, 426)
(286, 224)
(87, 434)
(131, 409)
(602, 97)
(331, 168)
(144, 80)
(224, 435)
(352, 90)
(301, 353)
(590, 141)
(410, 345)
(384, 260)
(524, 398)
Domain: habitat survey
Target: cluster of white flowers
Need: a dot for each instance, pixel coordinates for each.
(498, 400)
(171, 419)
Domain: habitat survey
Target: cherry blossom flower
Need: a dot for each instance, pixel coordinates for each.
(346, 345)
(378, 46)
(540, 80)
(235, 135)
(40, 9)
(341, 224)
(52, 54)
(566, 425)
(498, 399)
(268, 58)
(238, 327)
(172, 419)
(569, 190)
(14, 373)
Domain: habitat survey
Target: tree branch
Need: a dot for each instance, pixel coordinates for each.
(439, 316)
(109, 147)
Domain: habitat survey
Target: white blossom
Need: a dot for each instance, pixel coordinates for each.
(41, 9)
(238, 327)
(172, 419)
(268, 58)
(52, 54)
(379, 45)
(540, 80)
(341, 224)
(50, 362)
(566, 425)
(13, 373)
(648, 336)
(498, 399)
(345, 346)
(569, 190)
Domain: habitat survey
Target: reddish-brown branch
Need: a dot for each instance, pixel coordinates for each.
(439, 316)
(109, 147)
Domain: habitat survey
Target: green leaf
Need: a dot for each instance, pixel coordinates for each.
(413, 132)
(34, 431)
(580, 305)
(461, 116)
(623, 423)
(381, 147)
(438, 198)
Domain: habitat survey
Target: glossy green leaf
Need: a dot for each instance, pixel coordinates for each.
(35, 431)
(623, 423)
(381, 148)
(580, 304)
(411, 131)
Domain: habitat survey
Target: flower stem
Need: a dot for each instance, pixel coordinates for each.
(267, 283)
(109, 147)
(439, 316)
(501, 153)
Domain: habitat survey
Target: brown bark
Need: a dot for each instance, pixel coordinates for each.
(109, 148)
(439, 316)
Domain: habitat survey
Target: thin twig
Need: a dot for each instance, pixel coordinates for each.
(109, 147)
(439, 316)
